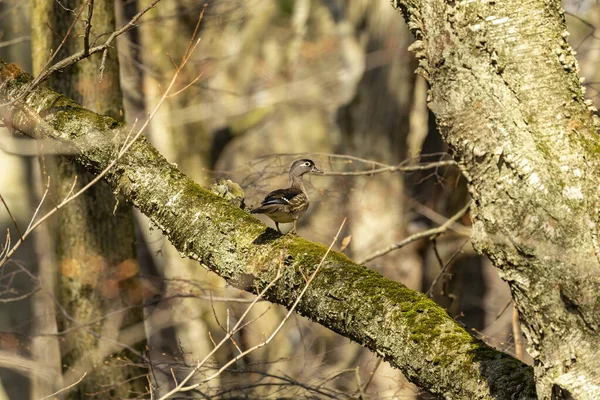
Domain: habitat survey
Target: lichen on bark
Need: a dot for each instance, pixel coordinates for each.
(508, 102)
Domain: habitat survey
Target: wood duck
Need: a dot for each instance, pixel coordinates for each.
(287, 205)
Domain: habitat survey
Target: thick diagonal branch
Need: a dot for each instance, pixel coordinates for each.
(400, 325)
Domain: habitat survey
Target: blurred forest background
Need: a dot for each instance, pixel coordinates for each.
(271, 81)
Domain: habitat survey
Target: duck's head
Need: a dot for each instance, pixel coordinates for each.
(303, 166)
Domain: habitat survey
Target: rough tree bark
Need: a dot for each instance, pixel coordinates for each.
(94, 238)
(507, 99)
(401, 325)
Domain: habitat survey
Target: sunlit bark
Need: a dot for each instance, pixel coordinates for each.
(508, 101)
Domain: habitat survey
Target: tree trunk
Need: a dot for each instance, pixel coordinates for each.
(507, 99)
(374, 125)
(402, 326)
(95, 242)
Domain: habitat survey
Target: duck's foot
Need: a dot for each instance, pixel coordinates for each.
(293, 231)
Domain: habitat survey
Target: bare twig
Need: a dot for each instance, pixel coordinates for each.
(436, 217)
(6, 243)
(366, 387)
(11, 217)
(7, 43)
(80, 55)
(22, 297)
(192, 45)
(88, 28)
(187, 86)
(444, 267)
(377, 167)
(430, 233)
(65, 388)
(517, 335)
(394, 168)
(224, 299)
(180, 385)
(182, 388)
(324, 392)
(504, 309)
(359, 385)
(150, 385)
(37, 210)
(33, 83)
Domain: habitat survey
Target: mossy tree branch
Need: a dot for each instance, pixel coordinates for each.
(509, 104)
(402, 326)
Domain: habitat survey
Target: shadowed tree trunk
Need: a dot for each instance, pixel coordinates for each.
(14, 24)
(188, 144)
(507, 99)
(94, 236)
(374, 125)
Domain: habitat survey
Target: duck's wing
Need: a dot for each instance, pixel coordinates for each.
(279, 197)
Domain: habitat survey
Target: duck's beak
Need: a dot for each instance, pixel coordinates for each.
(316, 170)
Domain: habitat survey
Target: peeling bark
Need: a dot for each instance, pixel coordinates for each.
(508, 102)
(402, 326)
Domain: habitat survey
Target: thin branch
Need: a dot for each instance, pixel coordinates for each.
(65, 388)
(224, 299)
(283, 321)
(80, 55)
(193, 44)
(225, 339)
(11, 217)
(22, 297)
(359, 384)
(368, 383)
(405, 166)
(436, 217)
(88, 28)
(14, 41)
(503, 309)
(187, 86)
(444, 267)
(394, 168)
(6, 243)
(430, 233)
(517, 334)
(37, 210)
(319, 389)
(34, 84)
(182, 388)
